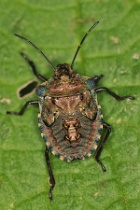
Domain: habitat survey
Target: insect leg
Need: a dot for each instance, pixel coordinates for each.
(114, 95)
(100, 148)
(32, 65)
(97, 78)
(93, 81)
(21, 112)
(52, 180)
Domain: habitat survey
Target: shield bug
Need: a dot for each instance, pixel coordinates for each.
(70, 119)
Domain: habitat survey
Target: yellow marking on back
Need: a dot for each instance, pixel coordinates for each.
(39, 115)
(95, 146)
(89, 154)
(48, 143)
(53, 152)
(101, 126)
(61, 158)
(42, 134)
(98, 136)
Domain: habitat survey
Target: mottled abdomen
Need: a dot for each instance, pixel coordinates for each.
(75, 132)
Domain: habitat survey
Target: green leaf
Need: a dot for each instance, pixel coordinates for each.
(112, 49)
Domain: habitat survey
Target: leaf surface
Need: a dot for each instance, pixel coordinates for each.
(112, 49)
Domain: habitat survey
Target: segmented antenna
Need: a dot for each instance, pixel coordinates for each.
(83, 39)
(21, 37)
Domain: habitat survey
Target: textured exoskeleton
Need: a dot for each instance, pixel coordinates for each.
(70, 118)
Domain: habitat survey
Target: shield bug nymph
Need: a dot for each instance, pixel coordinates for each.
(70, 119)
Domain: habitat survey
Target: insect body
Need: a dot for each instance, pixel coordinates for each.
(70, 119)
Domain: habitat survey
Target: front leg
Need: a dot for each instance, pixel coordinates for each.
(114, 95)
(93, 81)
(21, 112)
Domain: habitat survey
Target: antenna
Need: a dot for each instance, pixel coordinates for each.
(83, 39)
(21, 37)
